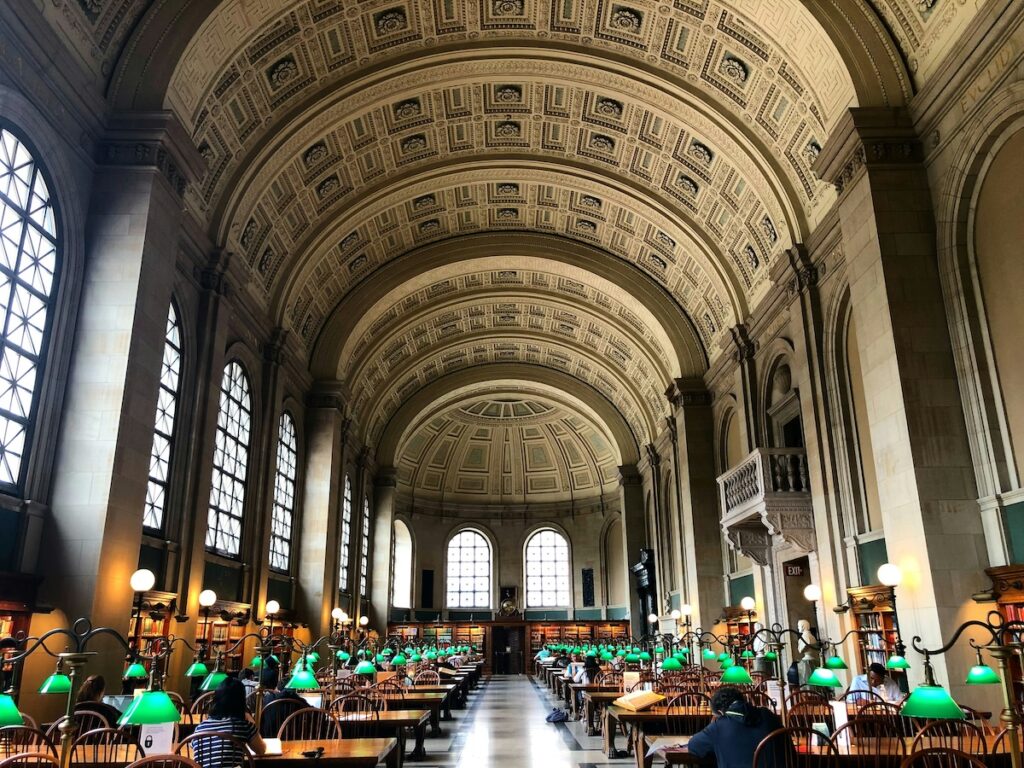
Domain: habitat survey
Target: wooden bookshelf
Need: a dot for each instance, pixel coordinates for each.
(738, 623)
(227, 624)
(871, 608)
(1008, 591)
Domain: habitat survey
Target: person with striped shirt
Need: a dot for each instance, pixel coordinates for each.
(227, 715)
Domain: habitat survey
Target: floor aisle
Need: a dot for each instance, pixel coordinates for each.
(504, 727)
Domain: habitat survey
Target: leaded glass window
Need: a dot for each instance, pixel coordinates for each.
(28, 274)
(346, 535)
(163, 428)
(547, 570)
(364, 549)
(284, 495)
(469, 570)
(230, 463)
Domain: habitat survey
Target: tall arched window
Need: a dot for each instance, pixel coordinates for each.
(469, 570)
(230, 463)
(364, 549)
(547, 570)
(401, 567)
(163, 429)
(346, 535)
(284, 495)
(28, 274)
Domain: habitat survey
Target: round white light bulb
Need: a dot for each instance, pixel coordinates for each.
(890, 574)
(747, 603)
(207, 598)
(364, 620)
(686, 609)
(273, 607)
(336, 614)
(653, 618)
(812, 592)
(344, 617)
(142, 580)
(675, 614)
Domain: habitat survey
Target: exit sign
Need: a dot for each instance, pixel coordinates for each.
(794, 570)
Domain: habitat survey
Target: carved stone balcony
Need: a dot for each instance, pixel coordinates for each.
(765, 495)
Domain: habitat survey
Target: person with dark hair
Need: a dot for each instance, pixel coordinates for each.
(90, 699)
(737, 729)
(876, 679)
(227, 715)
(277, 690)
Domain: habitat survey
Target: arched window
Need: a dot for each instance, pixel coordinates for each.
(364, 549)
(401, 567)
(284, 495)
(230, 463)
(469, 570)
(547, 570)
(346, 535)
(163, 429)
(28, 274)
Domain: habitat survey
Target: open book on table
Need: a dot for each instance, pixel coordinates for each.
(638, 700)
(658, 745)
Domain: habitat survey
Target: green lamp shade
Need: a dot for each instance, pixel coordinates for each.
(58, 682)
(313, 658)
(645, 656)
(709, 655)
(897, 662)
(632, 658)
(736, 675)
(9, 714)
(607, 656)
(723, 656)
(835, 662)
(980, 674)
(379, 658)
(257, 662)
(302, 680)
(365, 668)
(399, 661)
(679, 656)
(771, 655)
(213, 680)
(671, 665)
(342, 656)
(197, 669)
(621, 653)
(682, 652)
(151, 708)
(135, 671)
(749, 654)
(591, 653)
(416, 658)
(932, 702)
(432, 656)
(727, 663)
(660, 651)
(388, 652)
(825, 678)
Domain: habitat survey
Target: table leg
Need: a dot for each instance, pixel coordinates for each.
(394, 758)
(435, 726)
(419, 751)
(446, 714)
(400, 749)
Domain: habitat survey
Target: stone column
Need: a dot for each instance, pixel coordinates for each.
(384, 484)
(318, 526)
(933, 528)
(698, 492)
(634, 536)
(95, 530)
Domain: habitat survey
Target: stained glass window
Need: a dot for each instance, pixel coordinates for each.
(28, 274)
(469, 570)
(163, 429)
(364, 549)
(284, 495)
(547, 570)
(346, 535)
(230, 463)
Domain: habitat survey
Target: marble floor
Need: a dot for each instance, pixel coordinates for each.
(503, 725)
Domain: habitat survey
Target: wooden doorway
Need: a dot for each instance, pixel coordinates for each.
(507, 648)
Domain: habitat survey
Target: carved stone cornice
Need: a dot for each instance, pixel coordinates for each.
(273, 348)
(805, 272)
(213, 277)
(867, 137)
(630, 475)
(386, 477)
(653, 459)
(686, 393)
(152, 140)
(328, 395)
(755, 542)
(746, 347)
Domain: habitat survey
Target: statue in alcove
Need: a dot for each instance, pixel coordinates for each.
(646, 583)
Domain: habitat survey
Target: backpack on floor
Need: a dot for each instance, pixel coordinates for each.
(557, 716)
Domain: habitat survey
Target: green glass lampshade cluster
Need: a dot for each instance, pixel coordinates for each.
(151, 708)
(302, 679)
(671, 664)
(825, 678)
(708, 654)
(727, 663)
(736, 675)
(365, 668)
(399, 660)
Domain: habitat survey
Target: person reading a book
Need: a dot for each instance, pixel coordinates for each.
(735, 732)
(90, 699)
(227, 715)
(878, 681)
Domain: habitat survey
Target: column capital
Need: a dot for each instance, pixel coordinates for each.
(273, 348)
(630, 475)
(386, 477)
(865, 138)
(152, 140)
(328, 395)
(689, 392)
(746, 347)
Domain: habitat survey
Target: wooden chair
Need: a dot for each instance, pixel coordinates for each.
(391, 688)
(609, 678)
(951, 734)
(31, 760)
(1002, 743)
(164, 761)
(179, 703)
(795, 748)
(759, 698)
(30, 721)
(877, 746)
(804, 696)
(890, 715)
(85, 721)
(250, 700)
(358, 716)
(202, 703)
(309, 725)
(861, 697)
(427, 677)
(809, 712)
(103, 745)
(974, 716)
(18, 739)
(199, 748)
(687, 714)
(933, 757)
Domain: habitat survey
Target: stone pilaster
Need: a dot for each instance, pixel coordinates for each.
(634, 536)
(382, 527)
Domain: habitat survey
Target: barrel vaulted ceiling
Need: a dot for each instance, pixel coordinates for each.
(587, 191)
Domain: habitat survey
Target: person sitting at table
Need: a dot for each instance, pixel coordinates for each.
(735, 732)
(227, 715)
(90, 699)
(277, 690)
(877, 680)
(588, 672)
(562, 660)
